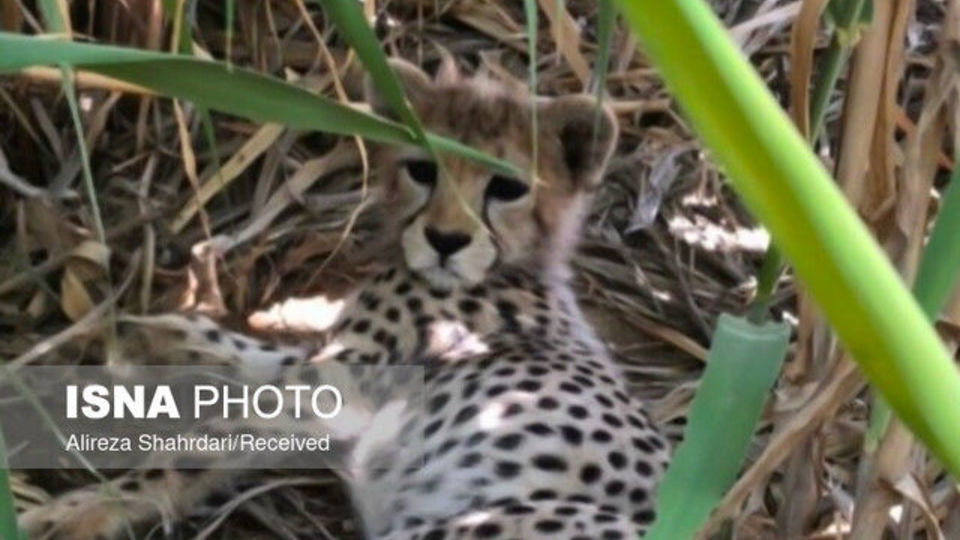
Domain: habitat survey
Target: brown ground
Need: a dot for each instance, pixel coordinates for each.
(668, 246)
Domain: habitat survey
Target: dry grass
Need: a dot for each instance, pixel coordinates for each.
(668, 247)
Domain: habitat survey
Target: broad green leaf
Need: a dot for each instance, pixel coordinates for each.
(210, 84)
(221, 87)
(786, 187)
(743, 364)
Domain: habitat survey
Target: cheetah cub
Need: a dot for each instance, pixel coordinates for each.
(527, 431)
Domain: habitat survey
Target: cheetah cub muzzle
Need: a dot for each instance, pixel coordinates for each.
(526, 427)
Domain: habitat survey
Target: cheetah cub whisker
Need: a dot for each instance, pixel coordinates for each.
(527, 429)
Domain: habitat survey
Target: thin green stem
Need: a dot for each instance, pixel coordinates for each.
(8, 514)
(841, 45)
(70, 89)
(832, 65)
(58, 21)
(230, 8)
(606, 21)
(530, 8)
(767, 279)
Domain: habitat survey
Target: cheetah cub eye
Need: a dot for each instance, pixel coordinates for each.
(422, 172)
(505, 189)
(456, 220)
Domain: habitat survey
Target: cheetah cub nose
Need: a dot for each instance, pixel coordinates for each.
(446, 243)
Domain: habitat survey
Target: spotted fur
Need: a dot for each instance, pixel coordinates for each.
(527, 429)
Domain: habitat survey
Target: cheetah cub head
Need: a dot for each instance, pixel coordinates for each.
(461, 222)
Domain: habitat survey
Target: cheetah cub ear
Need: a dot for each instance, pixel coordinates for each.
(415, 84)
(586, 133)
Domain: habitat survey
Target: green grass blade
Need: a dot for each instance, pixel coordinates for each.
(606, 20)
(829, 68)
(940, 264)
(349, 19)
(352, 24)
(846, 13)
(936, 279)
(71, 92)
(445, 144)
(532, 19)
(56, 16)
(8, 513)
(230, 9)
(848, 16)
(58, 20)
(221, 87)
(787, 188)
(176, 11)
(743, 364)
(209, 84)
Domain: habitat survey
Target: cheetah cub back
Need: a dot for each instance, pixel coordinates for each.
(526, 431)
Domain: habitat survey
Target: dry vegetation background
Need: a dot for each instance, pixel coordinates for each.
(668, 247)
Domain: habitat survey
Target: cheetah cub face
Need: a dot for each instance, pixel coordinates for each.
(457, 221)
